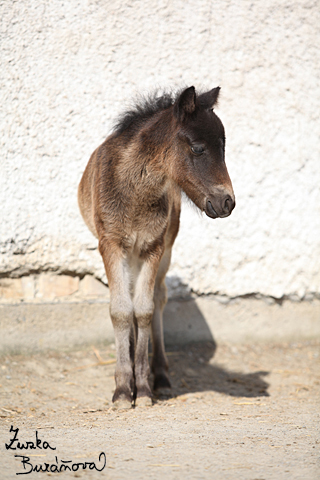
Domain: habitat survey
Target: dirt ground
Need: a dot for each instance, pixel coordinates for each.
(236, 412)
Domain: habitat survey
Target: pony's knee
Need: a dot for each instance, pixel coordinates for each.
(121, 311)
(143, 310)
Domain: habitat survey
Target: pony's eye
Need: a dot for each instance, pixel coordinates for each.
(197, 149)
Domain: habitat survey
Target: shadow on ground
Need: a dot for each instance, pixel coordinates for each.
(192, 367)
(191, 371)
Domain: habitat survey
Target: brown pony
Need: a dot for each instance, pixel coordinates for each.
(129, 197)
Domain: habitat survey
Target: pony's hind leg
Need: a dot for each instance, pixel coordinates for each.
(133, 341)
(161, 382)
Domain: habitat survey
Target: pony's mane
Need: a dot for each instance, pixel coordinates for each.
(143, 109)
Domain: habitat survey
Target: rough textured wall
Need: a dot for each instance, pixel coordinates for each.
(67, 68)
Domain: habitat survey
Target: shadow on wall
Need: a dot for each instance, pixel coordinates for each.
(190, 364)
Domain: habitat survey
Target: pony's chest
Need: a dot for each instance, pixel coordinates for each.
(143, 237)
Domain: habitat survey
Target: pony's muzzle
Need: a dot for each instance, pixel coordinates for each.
(220, 206)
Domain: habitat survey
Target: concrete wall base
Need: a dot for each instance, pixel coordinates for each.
(32, 327)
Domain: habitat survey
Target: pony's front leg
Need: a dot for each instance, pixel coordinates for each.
(143, 305)
(121, 312)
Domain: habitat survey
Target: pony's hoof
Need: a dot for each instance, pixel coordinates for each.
(143, 402)
(122, 404)
(162, 393)
(161, 384)
(122, 400)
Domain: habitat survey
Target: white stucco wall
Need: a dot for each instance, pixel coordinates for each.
(67, 68)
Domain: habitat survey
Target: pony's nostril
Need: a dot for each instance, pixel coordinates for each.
(228, 204)
(210, 211)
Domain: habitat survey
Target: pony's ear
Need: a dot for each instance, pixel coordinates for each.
(185, 104)
(209, 99)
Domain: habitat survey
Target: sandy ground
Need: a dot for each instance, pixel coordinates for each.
(236, 412)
